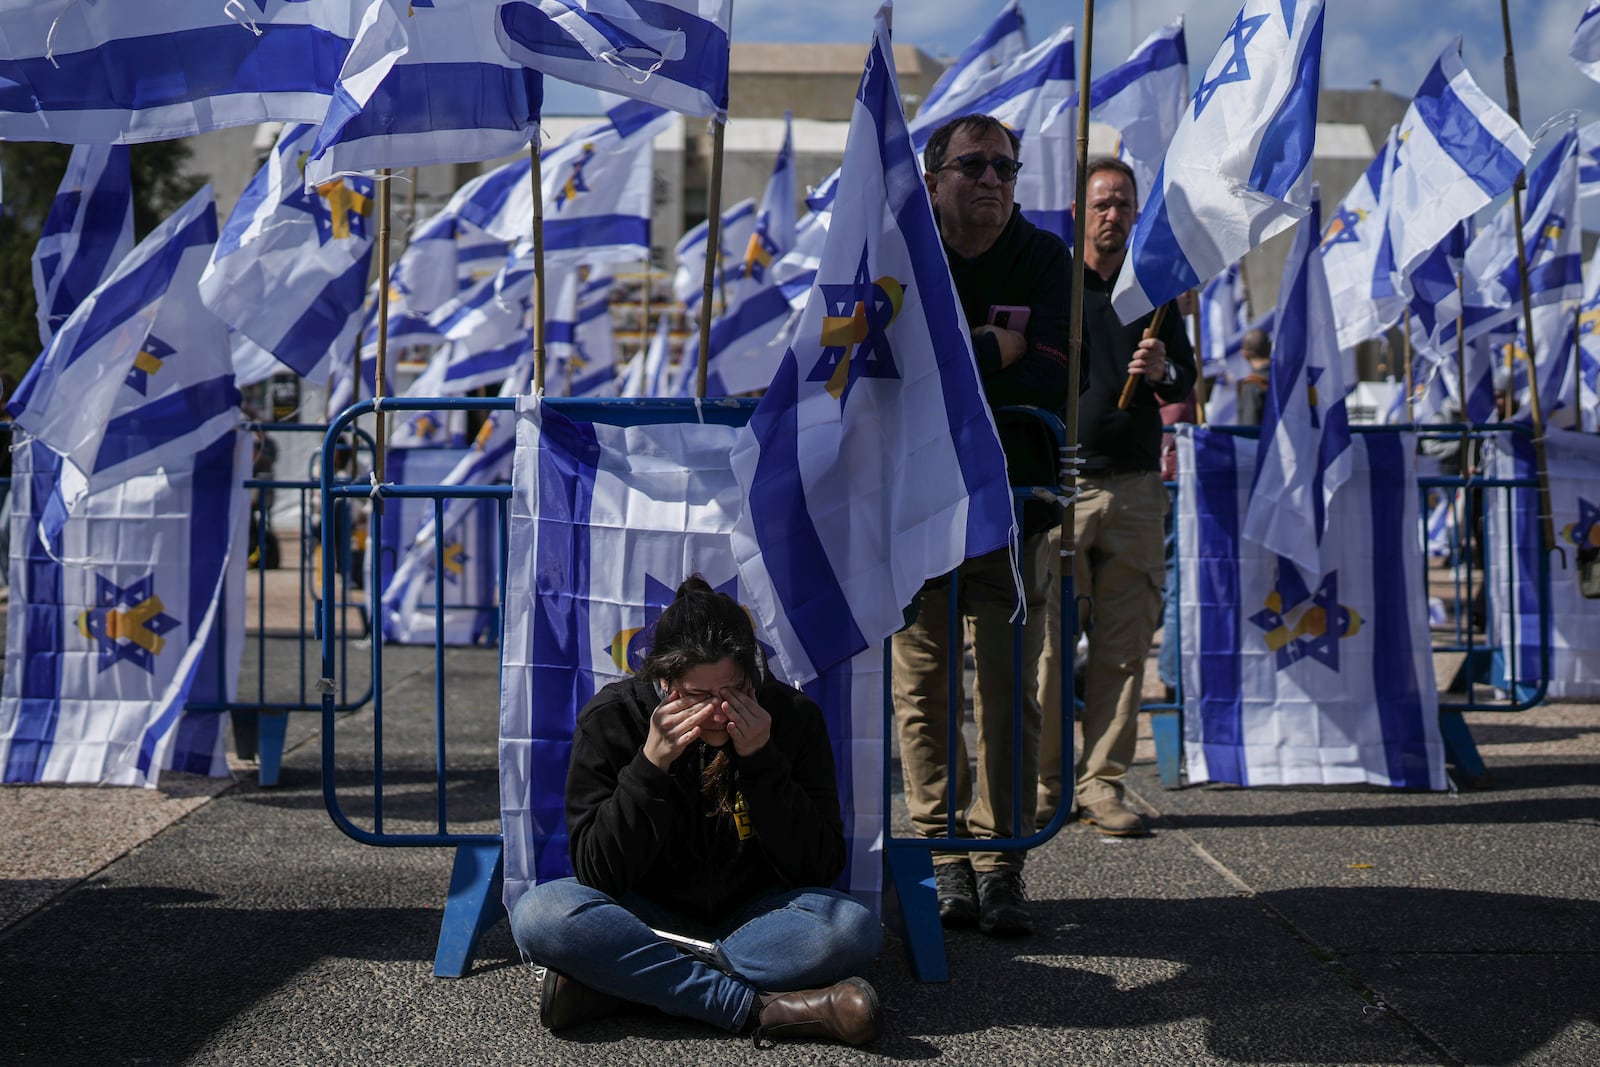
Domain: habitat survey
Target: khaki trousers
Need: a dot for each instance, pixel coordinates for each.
(923, 705)
(1118, 573)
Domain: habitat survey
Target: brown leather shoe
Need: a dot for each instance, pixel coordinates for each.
(565, 1002)
(846, 1011)
(1112, 817)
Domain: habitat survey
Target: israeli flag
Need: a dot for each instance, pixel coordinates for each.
(435, 87)
(86, 234)
(487, 331)
(879, 388)
(1589, 350)
(113, 619)
(290, 269)
(774, 231)
(1585, 48)
(1295, 676)
(140, 375)
(594, 346)
(445, 256)
(1224, 318)
(1143, 100)
(1515, 541)
(466, 543)
(689, 277)
(1002, 41)
(1435, 284)
(1455, 152)
(1304, 452)
(1238, 170)
(1589, 160)
(672, 53)
(662, 500)
(119, 73)
(1357, 257)
(596, 187)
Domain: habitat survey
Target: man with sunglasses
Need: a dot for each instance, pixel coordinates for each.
(1119, 519)
(1011, 279)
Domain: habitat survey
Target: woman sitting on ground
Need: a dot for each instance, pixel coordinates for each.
(701, 801)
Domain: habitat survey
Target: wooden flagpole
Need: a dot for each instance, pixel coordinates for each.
(1069, 472)
(713, 244)
(380, 377)
(1405, 327)
(1514, 109)
(537, 178)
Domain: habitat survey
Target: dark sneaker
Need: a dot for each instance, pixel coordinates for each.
(846, 1011)
(1002, 904)
(565, 1002)
(958, 893)
(1113, 818)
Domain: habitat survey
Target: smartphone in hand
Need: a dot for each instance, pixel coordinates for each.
(1009, 317)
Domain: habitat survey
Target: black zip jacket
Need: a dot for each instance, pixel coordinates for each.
(634, 826)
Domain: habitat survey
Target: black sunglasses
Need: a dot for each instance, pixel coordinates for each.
(972, 167)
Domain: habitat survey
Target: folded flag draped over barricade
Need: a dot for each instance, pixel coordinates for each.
(140, 375)
(87, 232)
(120, 620)
(1304, 453)
(427, 84)
(467, 605)
(1516, 540)
(118, 73)
(673, 53)
(1294, 676)
(1238, 170)
(290, 268)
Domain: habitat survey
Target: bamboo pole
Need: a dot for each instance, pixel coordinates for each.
(1069, 473)
(1514, 109)
(713, 247)
(1411, 413)
(536, 176)
(1202, 385)
(1133, 379)
(380, 377)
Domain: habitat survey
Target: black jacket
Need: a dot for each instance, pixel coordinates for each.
(1116, 441)
(634, 826)
(1025, 267)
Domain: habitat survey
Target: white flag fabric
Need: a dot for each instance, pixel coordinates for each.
(605, 523)
(1304, 452)
(111, 622)
(1585, 49)
(290, 268)
(1589, 350)
(1589, 160)
(435, 88)
(594, 344)
(119, 73)
(1238, 170)
(87, 232)
(648, 373)
(688, 280)
(466, 612)
(1003, 40)
(673, 53)
(1144, 99)
(1356, 255)
(879, 388)
(1455, 152)
(141, 373)
(1298, 677)
(1515, 532)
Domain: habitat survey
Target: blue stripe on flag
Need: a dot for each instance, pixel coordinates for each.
(39, 706)
(304, 344)
(1157, 255)
(419, 97)
(1221, 666)
(1165, 52)
(165, 419)
(594, 231)
(1482, 155)
(110, 202)
(562, 682)
(211, 494)
(1394, 675)
(171, 68)
(1289, 138)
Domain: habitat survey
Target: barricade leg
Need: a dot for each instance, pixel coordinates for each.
(473, 906)
(272, 728)
(911, 876)
(1166, 726)
(1461, 750)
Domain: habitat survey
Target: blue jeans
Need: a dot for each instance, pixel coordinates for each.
(793, 939)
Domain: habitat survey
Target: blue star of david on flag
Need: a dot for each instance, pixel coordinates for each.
(854, 342)
(1312, 633)
(127, 624)
(1237, 68)
(1342, 229)
(628, 647)
(341, 208)
(149, 361)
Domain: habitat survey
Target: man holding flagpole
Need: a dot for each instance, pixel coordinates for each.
(1011, 278)
(1119, 517)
